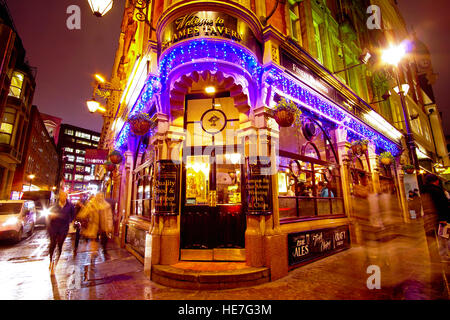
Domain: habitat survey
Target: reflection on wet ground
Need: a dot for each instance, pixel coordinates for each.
(402, 256)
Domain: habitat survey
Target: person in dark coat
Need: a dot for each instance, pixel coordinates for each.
(59, 219)
(435, 202)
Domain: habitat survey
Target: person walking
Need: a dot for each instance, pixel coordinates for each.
(59, 219)
(436, 206)
(106, 220)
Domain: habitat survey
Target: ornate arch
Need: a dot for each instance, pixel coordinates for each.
(237, 86)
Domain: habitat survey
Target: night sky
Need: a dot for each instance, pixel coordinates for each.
(66, 59)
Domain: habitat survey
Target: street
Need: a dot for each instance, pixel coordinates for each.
(406, 274)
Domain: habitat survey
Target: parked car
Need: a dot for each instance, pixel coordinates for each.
(43, 200)
(17, 217)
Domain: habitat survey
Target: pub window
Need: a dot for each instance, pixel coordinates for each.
(360, 177)
(309, 182)
(15, 90)
(143, 195)
(387, 184)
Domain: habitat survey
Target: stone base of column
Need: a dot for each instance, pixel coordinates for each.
(254, 250)
(170, 249)
(276, 255)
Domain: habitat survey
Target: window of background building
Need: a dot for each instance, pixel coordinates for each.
(68, 132)
(70, 158)
(69, 166)
(294, 21)
(67, 149)
(95, 138)
(80, 151)
(82, 135)
(15, 90)
(318, 42)
(7, 125)
(80, 159)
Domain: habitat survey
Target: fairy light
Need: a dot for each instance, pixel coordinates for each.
(210, 53)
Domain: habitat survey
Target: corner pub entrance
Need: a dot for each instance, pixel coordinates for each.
(212, 219)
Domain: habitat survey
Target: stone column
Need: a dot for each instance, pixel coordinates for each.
(125, 194)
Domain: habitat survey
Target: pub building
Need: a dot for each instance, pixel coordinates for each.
(217, 178)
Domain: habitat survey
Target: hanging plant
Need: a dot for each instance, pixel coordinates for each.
(286, 113)
(409, 168)
(360, 147)
(115, 157)
(386, 158)
(109, 166)
(140, 123)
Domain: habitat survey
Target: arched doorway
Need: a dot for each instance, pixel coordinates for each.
(213, 219)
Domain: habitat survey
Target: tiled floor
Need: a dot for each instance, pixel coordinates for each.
(406, 273)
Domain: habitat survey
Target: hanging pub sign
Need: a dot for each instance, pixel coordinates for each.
(207, 24)
(311, 245)
(258, 186)
(166, 187)
(96, 156)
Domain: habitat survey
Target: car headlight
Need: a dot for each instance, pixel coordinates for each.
(45, 213)
(11, 221)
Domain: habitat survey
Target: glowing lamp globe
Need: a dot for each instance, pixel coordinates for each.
(93, 105)
(393, 55)
(100, 7)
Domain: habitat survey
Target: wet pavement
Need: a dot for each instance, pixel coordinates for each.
(406, 272)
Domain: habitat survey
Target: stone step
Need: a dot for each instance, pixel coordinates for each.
(209, 280)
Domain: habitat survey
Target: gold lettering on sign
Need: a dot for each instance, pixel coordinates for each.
(191, 25)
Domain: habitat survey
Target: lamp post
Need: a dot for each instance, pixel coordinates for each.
(31, 177)
(393, 56)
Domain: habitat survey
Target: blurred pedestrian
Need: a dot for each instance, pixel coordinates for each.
(58, 221)
(106, 220)
(77, 223)
(436, 204)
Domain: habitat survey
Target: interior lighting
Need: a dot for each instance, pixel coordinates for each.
(210, 90)
(405, 89)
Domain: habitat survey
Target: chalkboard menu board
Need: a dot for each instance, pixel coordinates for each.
(135, 238)
(310, 245)
(258, 186)
(166, 187)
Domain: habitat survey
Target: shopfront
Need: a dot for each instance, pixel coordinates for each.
(217, 178)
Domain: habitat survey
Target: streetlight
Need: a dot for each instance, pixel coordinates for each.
(31, 177)
(100, 7)
(393, 56)
(93, 106)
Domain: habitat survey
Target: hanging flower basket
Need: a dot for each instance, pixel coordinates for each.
(286, 113)
(386, 158)
(109, 166)
(115, 157)
(359, 147)
(409, 168)
(140, 123)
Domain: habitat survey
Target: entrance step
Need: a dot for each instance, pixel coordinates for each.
(209, 275)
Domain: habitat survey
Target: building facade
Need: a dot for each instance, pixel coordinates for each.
(40, 159)
(218, 177)
(17, 87)
(76, 175)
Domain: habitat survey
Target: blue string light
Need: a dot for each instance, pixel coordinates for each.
(213, 51)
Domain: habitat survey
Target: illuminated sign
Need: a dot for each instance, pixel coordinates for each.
(96, 156)
(207, 24)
